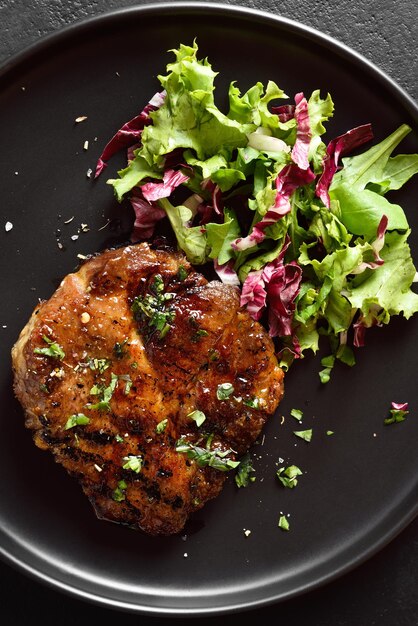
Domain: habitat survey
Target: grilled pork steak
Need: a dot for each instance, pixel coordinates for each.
(147, 383)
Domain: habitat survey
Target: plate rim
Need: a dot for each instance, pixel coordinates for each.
(62, 35)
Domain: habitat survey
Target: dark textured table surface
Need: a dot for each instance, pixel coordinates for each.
(382, 591)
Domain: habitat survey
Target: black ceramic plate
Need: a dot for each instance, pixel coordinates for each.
(360, 485)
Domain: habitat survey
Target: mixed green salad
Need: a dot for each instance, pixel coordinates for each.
(302, 228)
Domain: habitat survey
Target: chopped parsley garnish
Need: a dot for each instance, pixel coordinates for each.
(398, 413)
(198, 334)
(197, 416)
(99, 364)
(224, 390)
(218, 459)
(213, 355)
(182, 273)
(119, 438)
(297, 414)
(118, 494)
(330, 432)
(254, 403)
(44, 388)
(128, 383)
(53, 350)
(283, 523)
(304, 434)
(133, 462)
(243, 475)
(161, 426)
(106, 394)
(288, 476)
(151, 308)
(79, 419)
(118, 349)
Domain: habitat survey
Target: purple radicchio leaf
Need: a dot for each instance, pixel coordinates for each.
(288, 180)
(226, 273)
(359, 333)
(171, 180)
(216, 194)
(303, 132)
(253, 294)
(147, 215)
(130, 132)
(399, 406)
(282, 290)
(364, 322)
(339, 147)
(285, 112)
(377, 245)
(274, 288)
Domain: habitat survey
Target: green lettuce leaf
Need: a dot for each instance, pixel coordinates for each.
(360, 208)
(386, 290)
(220, 236)
(191, 240)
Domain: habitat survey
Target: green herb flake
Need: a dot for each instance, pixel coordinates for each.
(243, 474)
(128, 383)
(197, 416)
(151, 310)
(100, 365)
(44, 388)
(106, 394)
(161, 426)
(224, 391)
(118, 494)
(304, 434)
(330, 432)
(53, 350)
(195, 338)
(133, 462)
(218, 459)
(119, 438)
(182, 273)
(297, 414)
(283, 523)
(119, 349)
(213, 355)
(79, 419)
(254, 402)
(288, 476)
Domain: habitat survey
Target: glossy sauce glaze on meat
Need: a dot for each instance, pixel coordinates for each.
(147, 383)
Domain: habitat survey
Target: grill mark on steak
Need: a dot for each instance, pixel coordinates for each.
(139, 376)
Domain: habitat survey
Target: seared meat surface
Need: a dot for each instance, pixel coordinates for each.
(146, 382)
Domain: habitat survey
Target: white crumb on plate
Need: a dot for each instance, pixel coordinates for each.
(8, 226)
